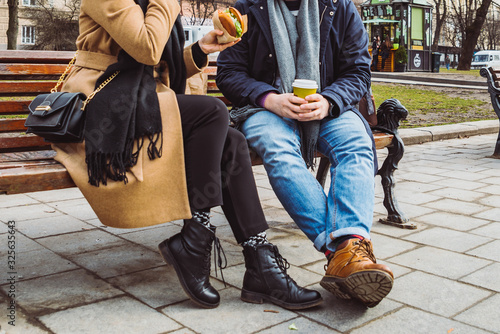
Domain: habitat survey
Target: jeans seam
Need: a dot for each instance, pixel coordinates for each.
(332, 182)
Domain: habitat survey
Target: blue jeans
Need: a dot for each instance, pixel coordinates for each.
(348, 206)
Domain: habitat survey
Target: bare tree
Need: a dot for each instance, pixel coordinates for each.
(468, 18)
(441, 10)
(199, 12)
(13, 27)
(490, 34)
(56, 28)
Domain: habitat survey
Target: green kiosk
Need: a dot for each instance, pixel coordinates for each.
(402, 23)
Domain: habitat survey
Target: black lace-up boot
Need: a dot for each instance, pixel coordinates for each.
(266, 279)
(189, 253)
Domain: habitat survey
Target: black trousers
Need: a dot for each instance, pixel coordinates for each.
(218, 166)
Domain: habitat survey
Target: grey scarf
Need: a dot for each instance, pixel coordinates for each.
(297, 52)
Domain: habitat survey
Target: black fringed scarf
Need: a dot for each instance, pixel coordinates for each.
(127, 110)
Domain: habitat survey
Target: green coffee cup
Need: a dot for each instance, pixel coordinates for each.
(303, 87)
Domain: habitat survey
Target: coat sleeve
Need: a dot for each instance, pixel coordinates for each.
(142, 36)
(352, 61)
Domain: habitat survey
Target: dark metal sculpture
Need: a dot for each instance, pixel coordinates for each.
(493, 78)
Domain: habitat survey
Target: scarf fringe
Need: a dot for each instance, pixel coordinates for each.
(308, 150)
(153, 150)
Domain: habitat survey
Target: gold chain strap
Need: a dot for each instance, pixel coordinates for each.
(101, 86)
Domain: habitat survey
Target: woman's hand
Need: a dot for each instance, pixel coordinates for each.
(208, 43)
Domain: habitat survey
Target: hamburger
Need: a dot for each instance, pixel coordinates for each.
(231, 22)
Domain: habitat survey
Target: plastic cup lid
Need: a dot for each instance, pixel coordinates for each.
(304, 83)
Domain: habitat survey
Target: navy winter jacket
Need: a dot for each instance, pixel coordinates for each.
(249, 69)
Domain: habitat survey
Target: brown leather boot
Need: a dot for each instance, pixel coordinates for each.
(353, 272)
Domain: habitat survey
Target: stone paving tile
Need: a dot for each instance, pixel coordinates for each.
(16, 200)
(20, 323)
(78, 208)
(60, 291)
(493, 214)
(409, 320)
(448, 239)
(412, 211)
(155, 287)
(20, 245)
(182, 331)
(492, 189)
(462, 175)
(454, 206)
(299, 324)
(28, 264)
(395, 232)
(298, 250)
(486, 277)
(56, 195)
(43, 227)
(118, 260)
(236, 316)
(468, 185)
(437, 295)
(412, 197)
(385, 247)
(440, 262)
(118, 315)
(452, 221)
(484, 314)
(27, 212)
(491, 230)
(150, 238)
(343, 315)
(420, 177)
(491, 200)
(80, 242)
(458, 194)
(489, 251)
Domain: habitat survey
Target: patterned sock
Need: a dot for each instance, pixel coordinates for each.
(203, 217)
(258, 239)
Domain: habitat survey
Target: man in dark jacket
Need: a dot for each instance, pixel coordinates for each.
(324, 41)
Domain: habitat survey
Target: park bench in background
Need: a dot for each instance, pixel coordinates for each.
(27, 164)
(493, 77)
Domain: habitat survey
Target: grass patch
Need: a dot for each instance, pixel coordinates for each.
(429, 107)
(455, 71)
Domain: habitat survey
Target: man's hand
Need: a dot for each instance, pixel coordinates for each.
(316, 108)
(313, 107)
(208, 43)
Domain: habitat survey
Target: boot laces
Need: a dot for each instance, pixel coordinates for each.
(363, 250)
(218, 259)
(283, 266)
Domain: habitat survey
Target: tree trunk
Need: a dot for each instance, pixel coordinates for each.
(440, 19)
(472, 33)
(13, 27)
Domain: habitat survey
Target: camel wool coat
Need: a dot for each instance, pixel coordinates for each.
(156, 191)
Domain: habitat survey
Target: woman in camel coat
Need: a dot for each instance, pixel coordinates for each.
(199, 162)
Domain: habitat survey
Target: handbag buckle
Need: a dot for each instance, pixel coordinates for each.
(44, 107)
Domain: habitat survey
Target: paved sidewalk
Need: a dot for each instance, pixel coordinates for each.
(73, 275)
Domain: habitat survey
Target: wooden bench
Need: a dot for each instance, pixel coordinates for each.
(27, 164)
(493, 77)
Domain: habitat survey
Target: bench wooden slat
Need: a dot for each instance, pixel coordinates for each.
(12, 124)
(33, 71)
(36, 57)
(18, 142)
(35, 176)
(25, 88)
(14, 107)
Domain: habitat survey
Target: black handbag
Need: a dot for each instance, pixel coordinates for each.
(59, 117)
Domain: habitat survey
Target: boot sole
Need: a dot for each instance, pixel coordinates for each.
(259, 298)
(169, 259)
(370, 287)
